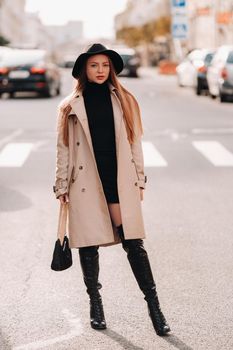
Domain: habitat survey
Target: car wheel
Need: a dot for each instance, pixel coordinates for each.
(223, 98)
(51, 91)
(198, 90)
(179, 82)
(213, 96)
(58, 91)
(11, 95)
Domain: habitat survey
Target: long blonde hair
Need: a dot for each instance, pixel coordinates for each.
(130, 108)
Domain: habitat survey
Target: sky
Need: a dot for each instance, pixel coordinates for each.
(97, 15)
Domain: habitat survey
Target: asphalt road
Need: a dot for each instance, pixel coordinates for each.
(188, 211)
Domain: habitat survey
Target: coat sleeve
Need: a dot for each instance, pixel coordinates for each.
(136, 149)
(62, 162)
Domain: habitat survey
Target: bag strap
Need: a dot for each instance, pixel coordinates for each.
(62, 222)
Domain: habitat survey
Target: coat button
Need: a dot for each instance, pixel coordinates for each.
(135, 184)
(81, 167)
(73, 180)
(83, 189)
(78, 143)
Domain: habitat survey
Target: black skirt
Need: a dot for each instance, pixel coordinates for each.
(107, 168)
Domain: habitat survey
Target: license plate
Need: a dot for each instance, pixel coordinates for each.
(19, 74)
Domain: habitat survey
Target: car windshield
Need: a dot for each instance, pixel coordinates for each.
(208, 58)
(125, 58)
(230, 57)
(19, 57)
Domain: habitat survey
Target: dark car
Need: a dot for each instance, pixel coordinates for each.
(202, 84)
(220, 73)
(131, 62)
(29, 70)
(226, 83)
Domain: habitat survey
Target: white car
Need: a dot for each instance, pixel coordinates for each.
(187, 70)
(220, 73)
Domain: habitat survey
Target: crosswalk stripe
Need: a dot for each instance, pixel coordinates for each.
(215, 152)
(10, 137)
(15, 154)
(152, 157)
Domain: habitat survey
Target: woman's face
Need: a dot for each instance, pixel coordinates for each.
(98, 68)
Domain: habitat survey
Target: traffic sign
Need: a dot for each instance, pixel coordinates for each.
(179, 30)
(179, 27)
(178, 3)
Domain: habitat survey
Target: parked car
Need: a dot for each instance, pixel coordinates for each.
(187, 70)
(220, 73)
(201, 81)
(29, 70)
(131, 62)
(68, 61)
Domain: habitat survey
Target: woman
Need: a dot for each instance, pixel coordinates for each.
(100, 173)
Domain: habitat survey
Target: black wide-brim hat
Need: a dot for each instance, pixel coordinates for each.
(97, 49)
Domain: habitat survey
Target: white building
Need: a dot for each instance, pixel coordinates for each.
(12, 19)
(35, 34)
(224, 19)
(71, 31)
(210, 23)
(66, 39)
(201, 15)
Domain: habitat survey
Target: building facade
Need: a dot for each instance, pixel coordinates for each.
(12, 19)
(66, 39)
(140, 12)
(35, 34)
(210, 23)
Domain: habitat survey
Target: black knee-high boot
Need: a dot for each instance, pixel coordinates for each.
(140, 265)
(89, 259)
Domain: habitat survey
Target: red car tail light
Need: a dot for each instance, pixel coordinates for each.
(3, 70)
(37, 70)
(224, 74)
(202, 69)
(40, 85)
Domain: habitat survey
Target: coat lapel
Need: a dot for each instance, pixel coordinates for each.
(78, 107)
(118, 115)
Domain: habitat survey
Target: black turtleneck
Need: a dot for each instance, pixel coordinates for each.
(100, 116)
(99, 111)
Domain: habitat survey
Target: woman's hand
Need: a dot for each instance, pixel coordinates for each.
(141, 194)
(64, 198)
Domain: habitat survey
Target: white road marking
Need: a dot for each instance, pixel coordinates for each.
(152, 157)
(10, 137)
(39, 144)
(76, 330)
(215, 152)
(15, 154)
(212, 131)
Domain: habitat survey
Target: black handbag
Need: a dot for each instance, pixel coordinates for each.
(62, 256)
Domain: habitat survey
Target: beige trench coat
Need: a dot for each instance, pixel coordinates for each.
(89, 222)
